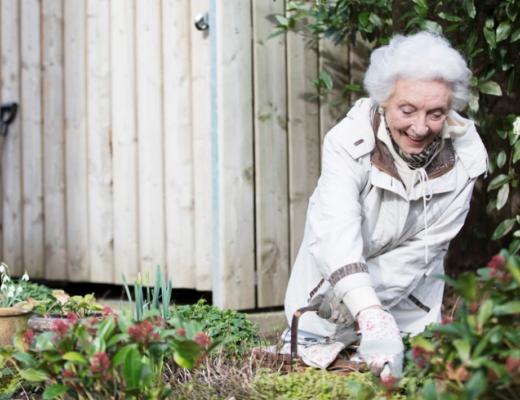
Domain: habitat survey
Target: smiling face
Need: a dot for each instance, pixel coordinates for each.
(415, 113)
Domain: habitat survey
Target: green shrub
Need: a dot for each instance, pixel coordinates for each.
(111, 357)
(478, 353)
(237, 333)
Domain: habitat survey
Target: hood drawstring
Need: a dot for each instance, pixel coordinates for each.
(426, 196)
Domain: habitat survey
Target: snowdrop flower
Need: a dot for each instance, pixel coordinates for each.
(2, 269)
(25, 277)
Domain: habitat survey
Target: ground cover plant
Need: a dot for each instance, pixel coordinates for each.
(236, 332)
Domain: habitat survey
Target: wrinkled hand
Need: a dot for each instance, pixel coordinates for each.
(381, 345)
(332, 308)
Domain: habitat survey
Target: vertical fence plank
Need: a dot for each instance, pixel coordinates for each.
(178, 131)
(76, 142)
(53, 143)
(201, 111)
(304, 132)
(234, 272)
(333, 106)
(271, 181)
(31, 137)
(11, 157)
(126, 230)
(99, 143)
(150, 135)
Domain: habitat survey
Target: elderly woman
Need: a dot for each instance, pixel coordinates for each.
(397, 176)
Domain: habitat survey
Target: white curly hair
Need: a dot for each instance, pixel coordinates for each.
(421, 56)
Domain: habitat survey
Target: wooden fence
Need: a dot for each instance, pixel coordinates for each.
(142, 141)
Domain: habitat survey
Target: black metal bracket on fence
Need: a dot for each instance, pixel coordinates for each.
(7, 116)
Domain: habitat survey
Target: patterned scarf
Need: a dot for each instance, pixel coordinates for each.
(421, 160)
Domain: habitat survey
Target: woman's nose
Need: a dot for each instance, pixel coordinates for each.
(420, 127)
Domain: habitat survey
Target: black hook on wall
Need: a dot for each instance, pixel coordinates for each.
(7, 116)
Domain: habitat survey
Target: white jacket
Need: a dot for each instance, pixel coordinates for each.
(364, 229)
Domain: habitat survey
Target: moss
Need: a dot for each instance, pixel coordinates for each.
(317, 384)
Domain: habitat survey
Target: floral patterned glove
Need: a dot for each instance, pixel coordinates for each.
(381, 345)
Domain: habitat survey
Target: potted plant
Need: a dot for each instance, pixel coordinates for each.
(14, 309)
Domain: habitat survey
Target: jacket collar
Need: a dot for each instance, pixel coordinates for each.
(386, 176)
(382, 159)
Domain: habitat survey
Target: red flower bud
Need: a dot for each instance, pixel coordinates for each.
(513, 365)
(496, 263)
(107, 311)
(420, 356)
(72, 317)
(202, 339)
(389, 382)
(61, 326)
(28, 336)
(68, 373)
(99, 362)
(141, 332)
(181, 331)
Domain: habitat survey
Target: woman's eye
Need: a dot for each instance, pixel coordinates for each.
(406, 111)
(437, 116)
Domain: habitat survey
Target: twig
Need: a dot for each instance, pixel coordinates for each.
(454, 308)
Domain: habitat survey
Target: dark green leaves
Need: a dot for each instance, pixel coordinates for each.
(503, 228)
(498, 181)
(512, 307)
(490, 87)
(469, 6)
(503, 31)
(33, 375)
(55, 391)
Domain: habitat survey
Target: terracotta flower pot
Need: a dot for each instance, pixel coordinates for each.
(12, 320)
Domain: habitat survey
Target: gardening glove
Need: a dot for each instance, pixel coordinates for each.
(332, 308)
(381, 345)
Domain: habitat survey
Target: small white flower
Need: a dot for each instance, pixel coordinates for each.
(6, 279)
(2, 269)
(10, 291)
(516, 127)
(25, 277)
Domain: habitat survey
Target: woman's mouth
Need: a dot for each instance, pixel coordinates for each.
(413, 139)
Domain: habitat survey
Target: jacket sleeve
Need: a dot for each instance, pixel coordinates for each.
(408, 261)
(334, 219)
